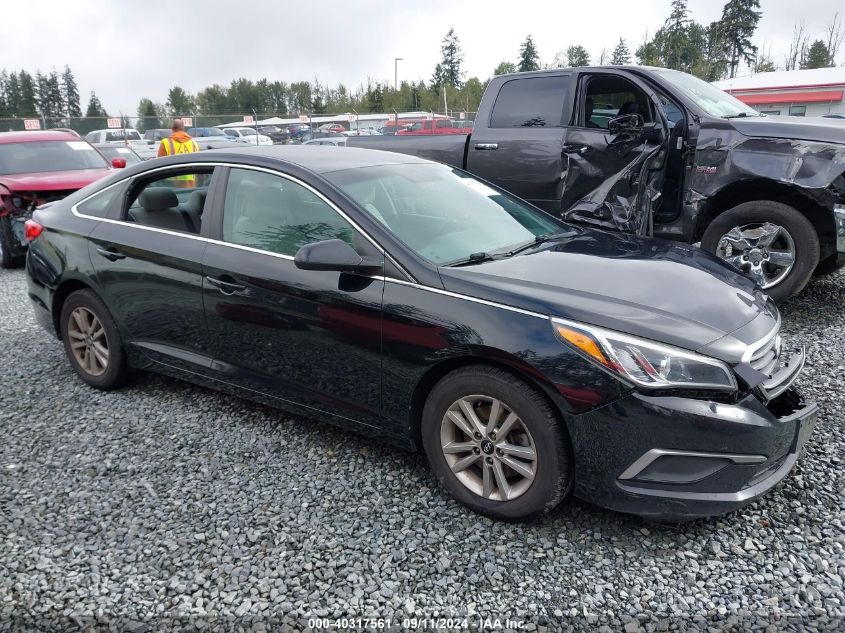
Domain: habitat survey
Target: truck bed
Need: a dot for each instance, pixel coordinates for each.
(450, 149)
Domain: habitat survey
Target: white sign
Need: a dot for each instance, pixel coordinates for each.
(463, 115)
(350, 117)
(391, 116)
(429, 116)
(249, 119)
(31, 124)
(188, 121)
(303, 118)
(113, 123)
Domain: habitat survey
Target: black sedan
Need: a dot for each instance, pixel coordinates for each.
(409, 300)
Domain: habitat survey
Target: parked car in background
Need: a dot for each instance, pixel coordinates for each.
(278, 135)
(299, 132)
(417, 303)
(680, 159)
(124, 136)
(211, 137)
(109, 151)
(391, 127)
(37, 168)
(361, 131)
(432, 126)
(336, 141)
(247, 135)
(331, 128)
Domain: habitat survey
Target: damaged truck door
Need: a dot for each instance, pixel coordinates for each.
(615, 153)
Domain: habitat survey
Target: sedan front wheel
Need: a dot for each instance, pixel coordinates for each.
(496, 443)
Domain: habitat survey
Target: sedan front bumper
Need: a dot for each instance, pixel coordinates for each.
(677, 459)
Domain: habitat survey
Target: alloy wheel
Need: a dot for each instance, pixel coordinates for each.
(763, 251)
(88, 341)
(488, 448)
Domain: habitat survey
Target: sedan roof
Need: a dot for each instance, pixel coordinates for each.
(319, 159)
(34, 136)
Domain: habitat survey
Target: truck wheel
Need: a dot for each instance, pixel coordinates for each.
(495, 444)
(773, 243)
(7, 241)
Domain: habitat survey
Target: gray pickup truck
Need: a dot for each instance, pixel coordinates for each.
(657, 151)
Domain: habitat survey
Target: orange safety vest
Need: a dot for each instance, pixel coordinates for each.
(174, 148)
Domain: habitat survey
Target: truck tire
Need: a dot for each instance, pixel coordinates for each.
(7, 241)
(771, 242)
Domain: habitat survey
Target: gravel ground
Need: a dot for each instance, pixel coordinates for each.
(171, 506)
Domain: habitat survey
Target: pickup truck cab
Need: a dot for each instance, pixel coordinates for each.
(658, 152)
(128, 137)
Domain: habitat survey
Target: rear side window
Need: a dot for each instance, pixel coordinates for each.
(99, 205)
(531, 102)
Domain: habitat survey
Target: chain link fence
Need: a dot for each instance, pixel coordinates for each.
(84, 125)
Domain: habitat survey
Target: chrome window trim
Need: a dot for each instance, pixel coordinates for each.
(75, 211)
(650, 456)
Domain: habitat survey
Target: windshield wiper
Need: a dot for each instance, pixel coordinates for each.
(741, 115)
(473, 258)
(539, 239)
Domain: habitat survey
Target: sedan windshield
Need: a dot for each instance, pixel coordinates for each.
(712, 100)
(445, 215)
(46, 156)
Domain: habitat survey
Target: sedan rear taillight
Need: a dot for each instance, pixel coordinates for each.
(31, 230)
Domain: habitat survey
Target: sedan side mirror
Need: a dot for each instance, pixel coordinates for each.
(334, 255)
(118, 163)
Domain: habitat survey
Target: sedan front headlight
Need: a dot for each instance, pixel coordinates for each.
(645, 363)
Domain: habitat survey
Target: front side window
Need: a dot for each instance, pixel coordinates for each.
(443, 214)
(530, 102)
(272, 213)
(48, 156)
(610, 96)
(174, 202)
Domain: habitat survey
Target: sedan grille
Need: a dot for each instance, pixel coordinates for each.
(781, 369)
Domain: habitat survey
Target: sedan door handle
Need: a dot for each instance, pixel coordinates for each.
(111, 254)
(226, 287)
(576, 149)
(486, 146)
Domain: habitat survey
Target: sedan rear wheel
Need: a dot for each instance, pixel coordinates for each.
(92, 341)
(496, 443)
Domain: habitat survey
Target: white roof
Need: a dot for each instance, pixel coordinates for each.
(785, 79)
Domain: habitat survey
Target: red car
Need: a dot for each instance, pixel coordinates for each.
(40, 167)
(433, 126)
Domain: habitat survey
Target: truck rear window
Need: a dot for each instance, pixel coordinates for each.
(531, 102)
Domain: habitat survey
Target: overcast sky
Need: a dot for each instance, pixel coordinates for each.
(127, 50)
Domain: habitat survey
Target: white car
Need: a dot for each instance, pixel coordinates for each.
(247, 135)
(128, 137)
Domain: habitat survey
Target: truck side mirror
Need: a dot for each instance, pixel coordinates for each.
(626, 126)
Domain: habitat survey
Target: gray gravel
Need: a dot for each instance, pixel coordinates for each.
(166, 505)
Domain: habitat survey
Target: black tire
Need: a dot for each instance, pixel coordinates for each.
(116, 370)
(553, 476)
(7, 244)
(799, 227)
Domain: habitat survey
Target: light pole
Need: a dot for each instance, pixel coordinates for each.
(396, 61)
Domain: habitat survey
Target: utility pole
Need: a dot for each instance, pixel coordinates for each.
(396, 61)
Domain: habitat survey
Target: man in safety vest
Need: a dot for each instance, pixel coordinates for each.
(180, 142)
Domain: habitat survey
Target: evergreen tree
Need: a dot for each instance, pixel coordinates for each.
(70, 94)
(27, 95)
(449, 71)
(317, 105)
(504, 68)
(528, 57)
(180, 102)
(147, 115)
(95, 108)
(675, 35)
(375, 98)
(54, 95)
(620, 55)
(577, 56)
(818, 56)
(4, 105)
(737, 26)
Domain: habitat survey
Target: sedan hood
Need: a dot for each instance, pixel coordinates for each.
(660, 290)
(52, 180)
(792, 128)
